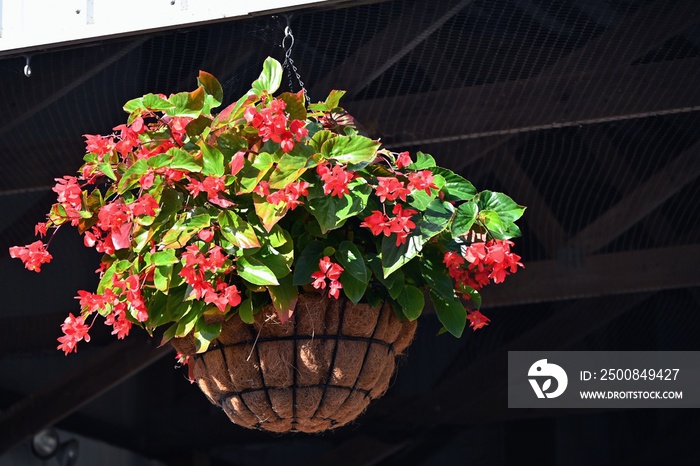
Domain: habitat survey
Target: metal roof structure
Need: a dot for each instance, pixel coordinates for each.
(588, 112)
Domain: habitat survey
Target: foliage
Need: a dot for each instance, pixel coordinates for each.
(201, 216)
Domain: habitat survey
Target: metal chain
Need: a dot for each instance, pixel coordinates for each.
(287, 45)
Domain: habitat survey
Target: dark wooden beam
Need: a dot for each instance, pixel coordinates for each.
(482, 385)
(640, 32)
(542, 102)
(640, 202)
(386, 48)
(542, 222)
(109, 367)
(599, 275)
(48, 85)
(361, 450)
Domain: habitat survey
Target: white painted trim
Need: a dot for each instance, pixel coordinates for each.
(27, 25)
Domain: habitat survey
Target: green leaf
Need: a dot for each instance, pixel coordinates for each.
(169, 334)
(197, 126)
(245, 310)
(270, 78)
(183, 160)
(229, 143)
(253, 172)
(185, 105)
(350, 149)
(176, 306)
(356, 274)
(353, 288)
(450, 312)
(204, 333)
(394, 283)
(331, 211)
(211, 86)
(307, 263)
(255, 272)
(420, 200)
(394, 257)
(134, 104)
(269, 213)
(295, 108)
(132, 175)
(289, 169)
(436, 218)
(318, 139)
(165, 257)
(275, 261)
(351, 258)
(281, 241)
(333, 99)
(237, 231)
(195, 101)
(412, 302)
(154, 102)
(212, 160)
(284, 297)
(465, 215)
(492, 221)
(456, 187)
(474, 296)
(184, 229)
(161, 277)
(422, 162)
(171, 202)
(189, 319)
(331, 102)
(503, 205)
(435, 273)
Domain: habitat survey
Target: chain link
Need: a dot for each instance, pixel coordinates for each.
(287, 45)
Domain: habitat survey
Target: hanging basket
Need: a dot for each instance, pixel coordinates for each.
(317, 371)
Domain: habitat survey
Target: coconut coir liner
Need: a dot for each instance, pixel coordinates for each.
(317, 371)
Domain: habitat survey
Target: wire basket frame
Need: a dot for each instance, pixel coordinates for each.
(318, 371)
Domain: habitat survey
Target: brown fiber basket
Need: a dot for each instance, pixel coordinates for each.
(317, 371)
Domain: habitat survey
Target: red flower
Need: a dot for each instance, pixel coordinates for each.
(96, 144)
(32, 255)
(298, 129)
(290, 194)
(477, 320)
(119, 321)
(237, 162)
(452, 259)
(74, 330)
(390, 188)
(376, 222)
(403, 160)
(330, 270)
(40, 229)
(206, 235)
(70, 197)
(262, 189)
(144, 205)
(213, 186)
(422, 180)
(402, 224)
(335, 181)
